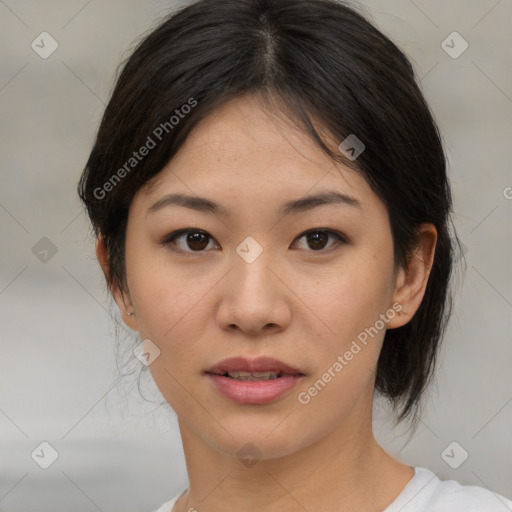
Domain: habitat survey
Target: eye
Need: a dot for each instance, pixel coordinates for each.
(316, 239)
(190, 241)
(193, 239)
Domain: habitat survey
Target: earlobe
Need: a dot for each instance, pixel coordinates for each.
(411, 282)
(124, 305)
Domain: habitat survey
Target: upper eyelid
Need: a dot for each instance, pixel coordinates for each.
(180, 232)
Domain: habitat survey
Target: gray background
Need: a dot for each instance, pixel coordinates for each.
(58, 377)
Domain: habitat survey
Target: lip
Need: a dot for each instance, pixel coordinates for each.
(254, 392)
(259, 364)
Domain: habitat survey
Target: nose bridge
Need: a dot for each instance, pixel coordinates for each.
(252, 275)
(252, 297)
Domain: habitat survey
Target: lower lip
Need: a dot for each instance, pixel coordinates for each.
(254, 391)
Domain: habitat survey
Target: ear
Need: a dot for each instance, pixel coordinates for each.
(411, 282)
(123, 300)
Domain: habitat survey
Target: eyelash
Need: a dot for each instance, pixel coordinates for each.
(170, 239)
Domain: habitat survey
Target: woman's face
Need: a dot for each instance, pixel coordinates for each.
(254, 283)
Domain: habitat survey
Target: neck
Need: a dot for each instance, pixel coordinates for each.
(345, 470)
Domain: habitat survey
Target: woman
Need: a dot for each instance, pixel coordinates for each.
(269, 194)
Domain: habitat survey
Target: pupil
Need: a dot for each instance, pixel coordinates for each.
(196, 241)
(313, 240)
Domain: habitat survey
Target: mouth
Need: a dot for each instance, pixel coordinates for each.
(250, 376)
(261, 368)
(257, 381)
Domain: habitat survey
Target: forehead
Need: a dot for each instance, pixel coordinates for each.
(242, 148)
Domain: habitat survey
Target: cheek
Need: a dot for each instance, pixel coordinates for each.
(176, 323)
(167, 298)
(353, 296)
(171, 312)
(347, 349)
(350, 305)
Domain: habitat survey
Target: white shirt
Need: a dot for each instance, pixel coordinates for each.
(426, 493)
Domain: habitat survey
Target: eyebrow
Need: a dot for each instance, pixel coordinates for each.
(202, 204)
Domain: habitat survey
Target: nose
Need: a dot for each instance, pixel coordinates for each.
(254, 298)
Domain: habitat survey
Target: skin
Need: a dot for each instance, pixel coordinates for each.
(297, 304)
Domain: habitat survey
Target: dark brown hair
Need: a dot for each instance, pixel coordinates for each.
(322, 64)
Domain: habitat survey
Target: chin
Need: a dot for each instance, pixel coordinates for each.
(250, 441)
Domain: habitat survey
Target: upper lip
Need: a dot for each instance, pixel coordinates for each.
(259, 364)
